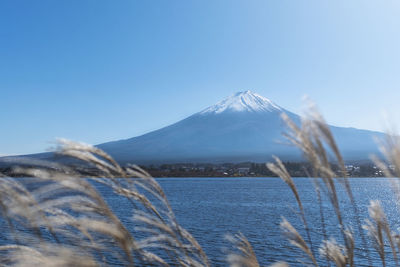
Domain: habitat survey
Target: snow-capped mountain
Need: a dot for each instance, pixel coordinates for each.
(242, 127)
(243, 101)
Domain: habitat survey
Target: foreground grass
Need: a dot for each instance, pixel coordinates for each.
(59, 219)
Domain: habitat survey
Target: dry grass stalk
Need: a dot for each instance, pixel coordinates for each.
(296, 239)
(350, 246)
(334, 252)
(47, 256)
(390, 148)
(244, 255)
(378, 229)
(72, 211)
(307, 138)
(312, 138)
(279, 169)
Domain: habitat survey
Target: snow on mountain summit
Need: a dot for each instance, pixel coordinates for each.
(243, 101)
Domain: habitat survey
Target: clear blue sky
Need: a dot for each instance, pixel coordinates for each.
(97, 71)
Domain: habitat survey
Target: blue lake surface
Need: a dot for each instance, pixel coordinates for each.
(211, 208)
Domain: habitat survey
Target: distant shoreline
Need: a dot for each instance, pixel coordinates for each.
(244, 169)
(249, 169)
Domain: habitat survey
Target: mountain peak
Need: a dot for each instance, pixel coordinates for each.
(247, 92)
(243, 101)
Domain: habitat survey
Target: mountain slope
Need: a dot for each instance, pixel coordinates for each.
(243, 127)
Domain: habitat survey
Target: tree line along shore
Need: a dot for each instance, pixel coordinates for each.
(244, 169)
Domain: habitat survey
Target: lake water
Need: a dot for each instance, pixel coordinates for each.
(211, 208)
